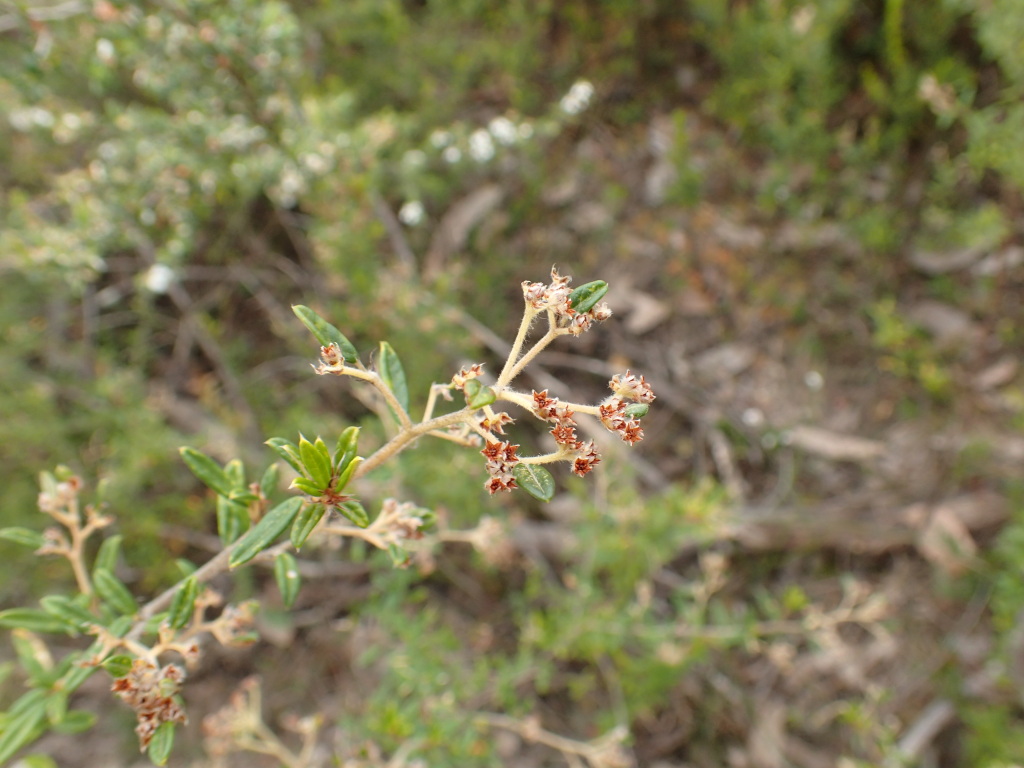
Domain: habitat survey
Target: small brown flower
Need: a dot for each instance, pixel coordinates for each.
(152, 692)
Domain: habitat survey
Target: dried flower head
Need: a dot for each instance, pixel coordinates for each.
(152, 692)
(501, 457)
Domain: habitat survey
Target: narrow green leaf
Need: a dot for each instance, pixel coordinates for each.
(346, 474)
(235, 470)
(79, 673)
(307, 486)
(185, 567)
(114, 593)
(162, 743)
(106, 556)
(393, 375)
(63, 607)
(232, 519)
(183, 604)
(207, 470)
(326, 333)
(24, 536)
(346, 448)
(118, 666)
(262, 534)
(637, 410)
(585, 297)
(535, 480)
(268, 483)
(76, 721)
(39, 761)
(288, 451)
(33, 659)
(399, 557)
(24, 723)
(305, 522)
(36, 621)
(56, 707)
(317, 464)
(286, 571)
(355, 512)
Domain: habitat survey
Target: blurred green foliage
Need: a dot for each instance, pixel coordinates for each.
(174, 174)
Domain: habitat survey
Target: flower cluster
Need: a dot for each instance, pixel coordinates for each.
(404, 521)
(615, 412)
(564, 431)
(501, 458)
(556, 298)
(152, 692)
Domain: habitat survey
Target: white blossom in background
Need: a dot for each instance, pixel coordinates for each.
(452, 155)
(158, 278)
(578, 97)
(439, 139)
(525, 130)
(414, 158)
(503, 130)
(411, 214)
(481, 145)
(105, 51)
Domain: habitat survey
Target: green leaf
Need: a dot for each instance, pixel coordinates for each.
(56, 707)
(39, 761)
(24, 536)
(185, 567)
(161, 744)
(118, 666)
(346, 475)
(33, 658)
(345, 451)
(268, 483)
(262, 534)
(355, 512)
(287, 450)
(316, 461)
(235, 470)
(585, 298)
(399, 557)
(183, 604)
(114, 593)
(207, 470)
(326, 333)
(305, 522)
(232, 519)
(36, 621)
(393, 375)
(307, 486)
(76, 721)
(636, 410)
(286, 571)
(106, 556)
(65, 608)
(477, 395)
(23, 724)
(535, 480)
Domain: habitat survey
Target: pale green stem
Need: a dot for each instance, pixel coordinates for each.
(510, 370)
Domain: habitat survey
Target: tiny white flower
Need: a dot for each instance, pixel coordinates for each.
(503, 130)
(439, 139)
(578, 97)
(105, 51)
(481, 146)
(412, 213)
(158, 278)
(452, 155)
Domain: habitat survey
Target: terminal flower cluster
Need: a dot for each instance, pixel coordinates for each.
(555, 297)
(152, 692)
